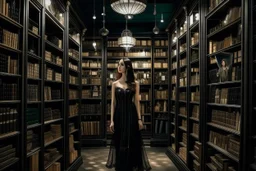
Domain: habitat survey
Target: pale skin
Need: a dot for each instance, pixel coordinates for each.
(122, 84)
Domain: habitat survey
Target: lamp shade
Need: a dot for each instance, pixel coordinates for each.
(126, 40)
(128, 7)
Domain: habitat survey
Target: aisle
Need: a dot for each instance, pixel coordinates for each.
(95, 159)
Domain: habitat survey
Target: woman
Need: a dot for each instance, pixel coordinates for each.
(127, 152)
(223, 71)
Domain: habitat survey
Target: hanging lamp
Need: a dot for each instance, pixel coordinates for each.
(126, 40)
(155, 29)
(128, 8)
(103, 31)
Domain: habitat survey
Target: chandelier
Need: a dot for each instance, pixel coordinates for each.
(128, 7)
(126, 40)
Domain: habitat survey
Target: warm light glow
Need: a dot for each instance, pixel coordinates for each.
(162, 18)
(48, 2)
(94, 17)
(126, 7)
(94, 44)
(197, 16)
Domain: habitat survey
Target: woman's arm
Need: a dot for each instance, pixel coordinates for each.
(113, 101)
(137, 98)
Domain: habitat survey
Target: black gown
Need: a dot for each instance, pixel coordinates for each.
(127, 151)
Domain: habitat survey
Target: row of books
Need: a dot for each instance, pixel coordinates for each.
(227, 142)
(76, 37)
(7, 155)
(129, 54)
(73, 79)
(53, 133)
(50, 114)
(183, 110)
(74, 53)
(73, 153)
(174, 65)
(73, 66)
(91, 108)
(71, 127)
(161, 77)
(143, 77)
(8, 91)
(160, 64)
(195, 38)
(93, 92)
(184, 124)
(183, 153)
(183, 96)
(114, 43)
(91, 63)
(195, 96)
(198, 150)
(161, 94)
(160, 53)
(55, 40)
(50, 155)
(161, 127)
(73, 94)
(8, 120)
(91, 80)
(228, 119)
(221, 162)
(214, 3)
(34, 162)
(183, 47)
(161, 106)
(33, 70)
(8, 38)
(8, 64)
(51, 94)
(173, 52)
(225, 95)
(183, 78)
(195, 111)
(52, 58)
(195, 129)
(183, 62)
(32, 115)
(32, 140)
(73, 109)
(195, 78)
(8, 8)
(91, 73)
(90, 128)
(52, 75)
(33, 93)
(161, 42)
(183, 27)
(145, 96)
(93, 53)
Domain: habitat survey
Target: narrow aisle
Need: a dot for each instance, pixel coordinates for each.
(95, 159)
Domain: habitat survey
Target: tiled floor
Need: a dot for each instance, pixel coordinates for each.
(95, 159)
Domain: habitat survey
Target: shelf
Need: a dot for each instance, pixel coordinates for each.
(130, 57)
(194, 119)
(173, 56)
(14, 161)
(194, 46)
(220, 8)
(54, 46)
(143, 69)
(54, 20)
(3, 46)
(224, 28)
(160, 57)
(33, 102)
(32, 152)
(225, 83)
(92, 98)
(74, 99)
(9, 101)
(33, 34)
(230, 48)
(160, 99)
(194, 102)
(182, 36)
(194, 62)
(73, 40)
(77, 85)
(52, 63)
(157, 84)
(230, 130)
(183, 144)
(225, 105)
(10, 21)
(194, 136)
(211, 166)
(34, 79)
(34, 56)
(75, 59)
(183, 129)
(9, 135)
(91, 114)
(194, 155)
(173, 135)
(183, 116)
(89, 68)
(91, 85)
(161, 47)
(75, 130)
(160, 68)
(182, 67)
(146, 114)
(183, 52)
(52, 121)
(195, 25)
(34, 126)
(53, 141)
(195, 85)
(9, 75)
(174, 69)
(52, 162)
(92, 57)
(75, 71)
(226, 153)
(73, 116)
(182, 101)
(173, 123)
(54, 101)
(144, 101)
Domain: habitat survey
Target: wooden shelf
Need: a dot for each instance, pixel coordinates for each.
(10, 21)
(32, 55)
(33, 34)
(130, 57)
(53, 45)
(53, 141)
(225, 83)
(194, 46)
(194, 119)
(182, 101)
(194, 136)
(75, 130)
(9, 75)
(54, 20)
(74, 116)
(183, 116)
(182, 36)
(211, 167)
(182, 144)
(74, 71)
(53, 81)
(226, 153)
(53, 101)
(3, 46)
(183, 52)
(92, 57)
(54, 64)
(13, 161)
(32, 152)
(9, 135)
(97, 68)
(76, 85)
(34, 79)
(194, 102)
(224, 105)
(91, 114)
(183, 129)
(73, 58)
(228, 49)
(34, 126)
(194, 62)
(9, 101)
(230, 130)
(194, 155)
(73, 40)
(194, 25)
(52, 162)
(52, 121)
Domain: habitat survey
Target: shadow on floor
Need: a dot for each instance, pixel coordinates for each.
(94, 159)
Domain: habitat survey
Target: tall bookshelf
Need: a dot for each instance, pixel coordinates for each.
(160, 92)
(141, 57)
(11, 104)
(92, 93)
(73, 83)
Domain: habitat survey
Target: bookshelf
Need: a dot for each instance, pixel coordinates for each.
(12, 70)
(160, 85)
(141, 57)
(92, 94)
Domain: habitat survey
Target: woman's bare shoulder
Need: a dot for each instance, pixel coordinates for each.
(115, 82)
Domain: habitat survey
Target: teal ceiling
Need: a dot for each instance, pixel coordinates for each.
(115, 23)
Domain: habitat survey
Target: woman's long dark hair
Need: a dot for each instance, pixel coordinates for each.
(130, 78)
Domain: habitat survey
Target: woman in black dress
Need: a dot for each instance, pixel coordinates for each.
(127, 152)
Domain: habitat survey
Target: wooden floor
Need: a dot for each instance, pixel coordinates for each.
(94, 159)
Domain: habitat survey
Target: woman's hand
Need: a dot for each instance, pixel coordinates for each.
(112, 127)
(140, 125)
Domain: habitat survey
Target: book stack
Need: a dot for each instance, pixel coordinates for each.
(7, 155)
(33, 26)
(8, 8)
(73, 79)
(183, 96)
(74, 53)
(160, 64)
(144, 96)
(160, 53)
(183, 153)
(73, 94)
(55, 40)
(8, 65)
(32, 140)
(174, 78)
(93, 64)
(161, 126)
(184, 124)
(8, 91)
(143, 77)
(161, 43)
(90, 128)
(73, 154)
(195, 77)
(233, 145)
(145, 108)
(51, 94)
(91, 108)
(197, 152)
(143, 42)
(161, 94)
(54, 133)
(8, 120)
(33, 94)
(50, 114)
(160, 106)
(32, 115)
(174, 65)
(195, 39)
(195, 96)
(183, 111)
(195, 129)
(183, 62)
(49, 155)
(183, 47)
(33, 70)
(93, 53)
(73, 110)
(34, 162)
(52, 58)
(8, 38)
(221, 162)
(72, 66)
(183, 79)
(225, 95)
(195, 112)
(161, 77)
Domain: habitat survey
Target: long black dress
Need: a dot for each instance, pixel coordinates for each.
(126, 150)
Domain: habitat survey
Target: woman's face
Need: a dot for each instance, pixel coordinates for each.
(121, 66)
(223, 63)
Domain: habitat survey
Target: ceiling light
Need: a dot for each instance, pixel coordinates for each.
(48, 3)
(155, 29)
(126, 40)
(129, 17)
(128, 7)
(94, 17)
(103, 31)
(162, 18)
